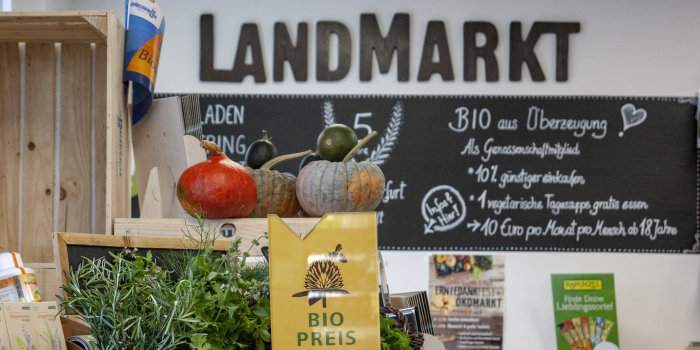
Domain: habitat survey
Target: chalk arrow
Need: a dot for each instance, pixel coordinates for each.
(428, 228)
(474, 225)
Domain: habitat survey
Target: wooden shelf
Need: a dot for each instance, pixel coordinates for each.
(81, 26)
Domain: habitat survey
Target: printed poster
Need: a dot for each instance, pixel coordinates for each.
(467, 300)
(585, 311)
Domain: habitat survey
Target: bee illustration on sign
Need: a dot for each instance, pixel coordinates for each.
(323, 278)
(381, 152)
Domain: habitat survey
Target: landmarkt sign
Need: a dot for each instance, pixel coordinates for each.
(323, 286)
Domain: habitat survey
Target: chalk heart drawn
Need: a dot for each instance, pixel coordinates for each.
(443, 209)
(632, 116)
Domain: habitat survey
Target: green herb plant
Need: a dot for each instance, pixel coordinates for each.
(391, 338)
(232, 301)
(199, 298)
(130, 302)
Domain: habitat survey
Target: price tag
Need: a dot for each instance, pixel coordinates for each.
(323, 286)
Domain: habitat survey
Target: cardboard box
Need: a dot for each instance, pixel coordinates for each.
(4, 337)
(18, 317)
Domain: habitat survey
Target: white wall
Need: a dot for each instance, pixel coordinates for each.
(627, 47)
(28, 5)
(116, 6)
(658, 296)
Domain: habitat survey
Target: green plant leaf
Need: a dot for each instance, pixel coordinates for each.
(260, 311)
(231, 310)
(211, 276)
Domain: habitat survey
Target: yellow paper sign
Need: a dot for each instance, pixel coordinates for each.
(323, 288)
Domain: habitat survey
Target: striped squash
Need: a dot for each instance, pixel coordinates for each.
(276, 193)
(324, 187)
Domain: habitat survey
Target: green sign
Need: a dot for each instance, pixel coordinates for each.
(585, 311)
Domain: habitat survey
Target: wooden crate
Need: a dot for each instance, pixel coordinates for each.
(64, 128)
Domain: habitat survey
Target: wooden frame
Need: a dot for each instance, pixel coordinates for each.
(63, 240)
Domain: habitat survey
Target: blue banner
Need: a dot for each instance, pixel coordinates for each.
(145, 26)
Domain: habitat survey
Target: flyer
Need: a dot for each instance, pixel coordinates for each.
(467, 300)
(585, 314)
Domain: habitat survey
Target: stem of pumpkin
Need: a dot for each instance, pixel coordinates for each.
(358, 145)
(274, 161)
(211, 147)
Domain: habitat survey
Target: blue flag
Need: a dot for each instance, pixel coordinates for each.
(145, 26)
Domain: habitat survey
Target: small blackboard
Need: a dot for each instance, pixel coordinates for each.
(70, 249)
(502, 173)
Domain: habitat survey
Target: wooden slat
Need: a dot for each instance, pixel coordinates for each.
(43, 265)
(246, 229)
(87, 26)
(131, 241)
(100, 131)
(157, 172)
(76, 75)
(60, 257)
(63, 32)
(39, 152)
(118, 194)
(50, 15)
(9, 146)
(99, 24)
(74, 326)
(48, 285)
(30, 19)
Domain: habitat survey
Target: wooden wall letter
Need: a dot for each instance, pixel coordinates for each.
(522, 51)
(297, 55)
(324, 31)
(371, 40)
(487, 51)
(436, 36)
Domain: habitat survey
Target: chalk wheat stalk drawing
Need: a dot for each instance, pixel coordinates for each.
(390, 137)
(380, 154)
(328, 113)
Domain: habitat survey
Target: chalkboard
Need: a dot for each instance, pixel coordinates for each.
(503, 173)
(71, 249)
